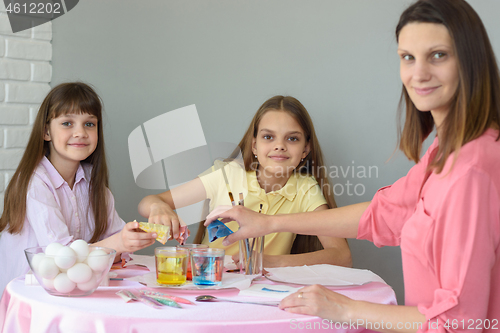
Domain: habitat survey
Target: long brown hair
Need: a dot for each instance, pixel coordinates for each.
(476, 105)
(66, 98)
(312, 165)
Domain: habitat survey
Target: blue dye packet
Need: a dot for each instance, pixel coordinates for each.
(216, 230)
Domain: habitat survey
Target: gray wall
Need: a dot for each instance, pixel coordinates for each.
(228, 56)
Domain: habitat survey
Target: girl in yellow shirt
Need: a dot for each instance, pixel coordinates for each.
(283, 171)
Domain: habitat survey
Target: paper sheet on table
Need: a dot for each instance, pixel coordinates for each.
(275, 291)
(141, 260)
(229, 280)
(328, 275)
(149, 262)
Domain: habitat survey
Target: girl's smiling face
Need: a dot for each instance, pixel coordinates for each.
(73, 138)
(280, 144)
(429, 67)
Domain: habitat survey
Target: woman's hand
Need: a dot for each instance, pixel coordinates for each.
(316, 300)
(252, 224)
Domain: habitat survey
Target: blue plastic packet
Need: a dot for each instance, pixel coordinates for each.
(217, 229)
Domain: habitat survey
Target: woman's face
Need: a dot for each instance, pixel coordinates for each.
(429, 67)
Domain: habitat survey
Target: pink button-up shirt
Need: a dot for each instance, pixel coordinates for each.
(448, 227)
(54, 213)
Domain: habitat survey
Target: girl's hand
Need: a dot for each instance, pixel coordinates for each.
(134, 239)
(252, 224)
(316, 300)
(236, 258)
(162, 213)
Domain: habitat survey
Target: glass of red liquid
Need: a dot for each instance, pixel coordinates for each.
(190, 247)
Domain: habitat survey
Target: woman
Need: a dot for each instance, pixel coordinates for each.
(445, 213)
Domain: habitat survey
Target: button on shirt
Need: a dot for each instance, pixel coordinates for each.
(54, 213)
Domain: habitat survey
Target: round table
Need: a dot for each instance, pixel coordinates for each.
(25, 308)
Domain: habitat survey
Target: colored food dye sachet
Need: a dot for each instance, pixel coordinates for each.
(217, 229)
(162, 231)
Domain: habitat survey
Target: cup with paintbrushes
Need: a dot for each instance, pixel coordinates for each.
(251, 252)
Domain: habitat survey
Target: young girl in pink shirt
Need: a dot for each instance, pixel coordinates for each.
(445, 213)
(59, 192)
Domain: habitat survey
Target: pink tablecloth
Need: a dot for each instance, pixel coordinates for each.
(30, 309)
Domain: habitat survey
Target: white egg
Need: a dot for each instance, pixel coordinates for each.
(65, 257)
(35, 261)
(63, 284)
(80, 273)
(89, 285)
(81, 248)
(98, 260)
(52, 248)
(48, 283)
(47, 268)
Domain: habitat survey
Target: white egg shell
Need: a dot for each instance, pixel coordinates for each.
(89, 285)
(65, 257)
(52, 248)
(80, 273)
(35, 261)
(81, 248)
(48, 268)
(98, 260)
(63, 284)
(48, 283)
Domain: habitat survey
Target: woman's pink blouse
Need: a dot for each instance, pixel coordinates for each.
(448, 227)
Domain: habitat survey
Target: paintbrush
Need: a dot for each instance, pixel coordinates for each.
(231, 198)
(262, 238)
(247, 244)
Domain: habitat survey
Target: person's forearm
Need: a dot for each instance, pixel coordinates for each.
(331, 256)
(338, 222)
(145, 204)
(113, 242)
(386, 318)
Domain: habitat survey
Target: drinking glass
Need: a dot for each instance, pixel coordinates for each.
(191, 247)
(171, 265)
(207, 266)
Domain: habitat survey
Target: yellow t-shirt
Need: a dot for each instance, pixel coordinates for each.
(300, 194)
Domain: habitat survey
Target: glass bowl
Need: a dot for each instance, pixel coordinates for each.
(80, 276)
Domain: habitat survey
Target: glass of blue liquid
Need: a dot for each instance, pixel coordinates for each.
(207, 266)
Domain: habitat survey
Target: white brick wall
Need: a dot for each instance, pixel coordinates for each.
(25, 74)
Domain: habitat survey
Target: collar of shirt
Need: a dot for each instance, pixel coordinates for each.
(56, 178)
(289, 191)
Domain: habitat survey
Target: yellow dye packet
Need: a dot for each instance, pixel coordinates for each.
(161, 230)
